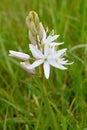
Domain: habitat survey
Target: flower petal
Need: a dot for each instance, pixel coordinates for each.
(46, 69)
(51, 38)
(69, 63)
(42, 33)
(35, 64)
(19, 55)
(61, 52)
(56, 43)
(25, 66)
(46, 50)
(57, 65)
(35, 52)
(62, 61)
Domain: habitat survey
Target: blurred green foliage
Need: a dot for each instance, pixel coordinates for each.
(21, 101)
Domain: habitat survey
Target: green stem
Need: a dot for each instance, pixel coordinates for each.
(51, 113)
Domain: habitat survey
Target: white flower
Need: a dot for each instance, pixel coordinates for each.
(42, 39)
(49, 40)
(19, 55)
(43, 48)
(47, 58)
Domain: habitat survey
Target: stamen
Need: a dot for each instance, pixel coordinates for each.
(56, 60)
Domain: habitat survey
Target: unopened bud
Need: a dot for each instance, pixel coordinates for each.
(33, 39)
(32, 17)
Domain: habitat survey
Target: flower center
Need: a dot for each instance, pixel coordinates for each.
(45, 58)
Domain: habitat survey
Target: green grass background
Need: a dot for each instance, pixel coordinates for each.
(21, 101)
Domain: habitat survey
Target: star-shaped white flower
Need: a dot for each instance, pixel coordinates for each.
(42, 47)
(47, 58)
(43, 39)
(48, 40)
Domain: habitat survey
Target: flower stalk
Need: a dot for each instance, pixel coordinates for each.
(49, 108)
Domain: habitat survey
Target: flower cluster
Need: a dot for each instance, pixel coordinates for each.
(43, 48)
